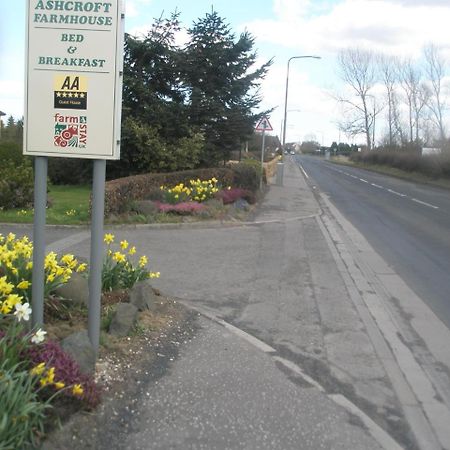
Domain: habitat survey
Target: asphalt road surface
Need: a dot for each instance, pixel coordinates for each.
(407, 223)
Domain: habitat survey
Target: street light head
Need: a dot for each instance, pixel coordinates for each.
(286, 94)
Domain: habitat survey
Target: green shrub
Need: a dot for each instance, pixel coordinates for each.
(69, 170)
(16, 184)
(11, 151)
(247, 175)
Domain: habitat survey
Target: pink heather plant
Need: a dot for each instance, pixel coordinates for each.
(231, 195)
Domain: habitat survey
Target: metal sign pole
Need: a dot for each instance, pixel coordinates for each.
(96, 260)
(262, 157)
(40, 204)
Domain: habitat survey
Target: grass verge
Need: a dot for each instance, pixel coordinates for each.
(67, 205)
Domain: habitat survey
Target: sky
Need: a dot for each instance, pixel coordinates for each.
(282, 29)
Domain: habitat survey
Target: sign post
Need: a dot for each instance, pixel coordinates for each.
(263, 125)
(73, 97)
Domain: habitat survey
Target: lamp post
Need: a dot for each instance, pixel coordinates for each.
(287, 89)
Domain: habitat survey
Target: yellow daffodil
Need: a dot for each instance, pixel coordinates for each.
(24, 284)
(119, 257)
(59, 385)
(124, 244)
(77, 389)
(82, 267)
(143, 261)
(132, 251)
(39, 369)
(108, 238)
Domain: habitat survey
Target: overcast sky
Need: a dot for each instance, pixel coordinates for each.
(282, 28)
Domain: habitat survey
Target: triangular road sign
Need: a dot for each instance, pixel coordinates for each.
(264, 125)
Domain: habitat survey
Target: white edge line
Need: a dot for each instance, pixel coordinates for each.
(383, 438)
(304, 172)
(424, 203)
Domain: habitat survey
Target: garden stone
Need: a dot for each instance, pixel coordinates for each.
(145, 207)
(79, 347)
(76, 289)
(123, 319)
(242, 204)
(142, 296)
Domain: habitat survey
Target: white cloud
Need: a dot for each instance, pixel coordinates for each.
(133, 7)
(392, 27)
(397, 27)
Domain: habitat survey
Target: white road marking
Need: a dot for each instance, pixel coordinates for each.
(424, 203)
(396, 193)
(304, 172)
(429, 205)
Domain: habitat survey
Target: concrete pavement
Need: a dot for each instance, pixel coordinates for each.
(285, 357)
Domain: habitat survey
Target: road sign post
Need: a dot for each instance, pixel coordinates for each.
(73, 97)
(263, 126)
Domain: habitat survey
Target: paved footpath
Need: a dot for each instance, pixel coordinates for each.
(287, 355)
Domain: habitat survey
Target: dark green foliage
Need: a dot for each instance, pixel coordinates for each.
(12, 131)
(247, 174)
(156, 135)
(222, 89)
(16, 184)
(69, 170)
(11, 151)
(120, 193)
(153, 153)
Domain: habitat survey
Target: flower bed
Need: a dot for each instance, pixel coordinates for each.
(36, 375)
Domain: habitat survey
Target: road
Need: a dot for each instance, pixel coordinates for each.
(407, 223)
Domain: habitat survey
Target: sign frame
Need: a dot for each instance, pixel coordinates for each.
(264, 124)
(92, 127)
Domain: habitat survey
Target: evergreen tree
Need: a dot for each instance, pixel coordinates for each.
(154, 116)
(222, 89)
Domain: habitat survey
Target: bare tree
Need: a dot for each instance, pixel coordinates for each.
(435, 69)
(389, 74)
(358, 71)
(417, 96)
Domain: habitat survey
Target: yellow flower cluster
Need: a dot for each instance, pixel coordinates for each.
(47, 378)
(119, 270)
(16, 265)
(197, 190)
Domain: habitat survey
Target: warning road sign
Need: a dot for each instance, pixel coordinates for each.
(264, 125)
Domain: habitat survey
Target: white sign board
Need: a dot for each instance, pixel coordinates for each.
(73, 82)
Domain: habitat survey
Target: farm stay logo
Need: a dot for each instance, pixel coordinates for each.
(70, 131)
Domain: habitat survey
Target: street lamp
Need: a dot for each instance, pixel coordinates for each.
(287, 88)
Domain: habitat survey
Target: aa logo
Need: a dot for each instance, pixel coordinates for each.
(70, 92)
(70, 131)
